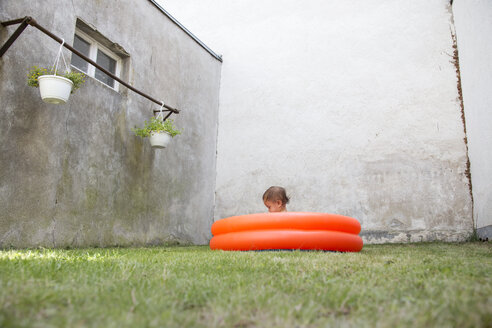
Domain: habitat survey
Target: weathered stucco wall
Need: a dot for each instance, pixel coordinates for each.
(75, 175)
(352, 105)
(473, 21)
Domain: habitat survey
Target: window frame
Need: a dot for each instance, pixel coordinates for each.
(94, 46)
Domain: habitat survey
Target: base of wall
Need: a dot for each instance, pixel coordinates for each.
(414, 236)
(485, 233)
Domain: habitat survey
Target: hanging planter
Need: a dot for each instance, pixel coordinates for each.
(159, 139)
(55, 88)
(159, 131)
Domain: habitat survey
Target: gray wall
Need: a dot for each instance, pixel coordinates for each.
(75, 175)
(473, 20)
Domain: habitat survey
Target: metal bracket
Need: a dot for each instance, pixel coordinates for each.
(24, 22)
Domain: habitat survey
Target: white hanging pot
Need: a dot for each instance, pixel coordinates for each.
(54, 89)
(159, 139)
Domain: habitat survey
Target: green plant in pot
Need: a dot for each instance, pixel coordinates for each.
(159, 132)
(55, 88)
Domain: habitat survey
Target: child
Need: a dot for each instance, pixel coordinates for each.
(275, 199)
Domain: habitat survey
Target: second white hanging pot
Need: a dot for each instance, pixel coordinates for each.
(160, 139)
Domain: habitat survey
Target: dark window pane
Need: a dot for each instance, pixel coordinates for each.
(82, 46)
(107, 63)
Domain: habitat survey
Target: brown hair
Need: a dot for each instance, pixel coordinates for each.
(275, 193)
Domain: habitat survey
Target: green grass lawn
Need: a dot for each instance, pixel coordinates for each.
(413, 285)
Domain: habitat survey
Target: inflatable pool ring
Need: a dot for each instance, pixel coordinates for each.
(287, 231)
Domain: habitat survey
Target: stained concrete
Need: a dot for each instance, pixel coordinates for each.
(74, 175)
(351, 105)
(473, 21)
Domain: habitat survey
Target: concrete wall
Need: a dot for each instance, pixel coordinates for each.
(351, 105)
(473, 19)
(75, 175)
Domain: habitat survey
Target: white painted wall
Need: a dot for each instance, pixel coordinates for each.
(352, 105)
(473, 19)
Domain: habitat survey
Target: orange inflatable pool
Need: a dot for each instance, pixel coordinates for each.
(287, 231)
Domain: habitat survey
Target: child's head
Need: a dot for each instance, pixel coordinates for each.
(275, 199)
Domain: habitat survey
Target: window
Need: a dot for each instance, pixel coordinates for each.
(96, 51)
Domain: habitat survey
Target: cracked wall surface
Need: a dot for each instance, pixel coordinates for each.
(74, 175)
(473, 21)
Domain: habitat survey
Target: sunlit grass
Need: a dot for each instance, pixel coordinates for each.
(416, 285)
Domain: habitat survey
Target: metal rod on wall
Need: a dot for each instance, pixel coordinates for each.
(15, 35)
(29, 20)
